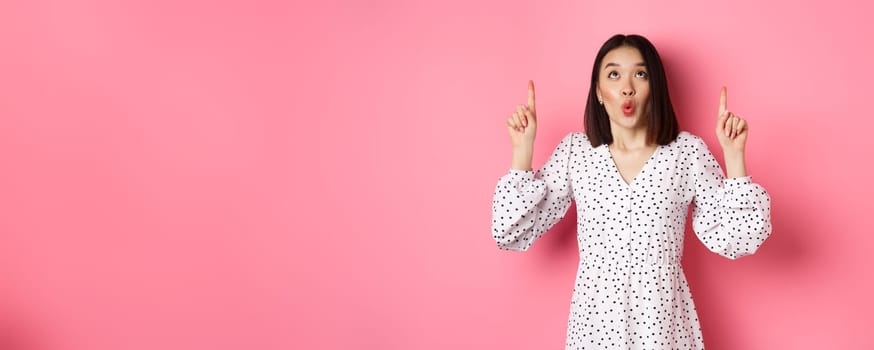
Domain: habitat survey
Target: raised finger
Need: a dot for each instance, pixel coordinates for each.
(722, 101)
(531, 94)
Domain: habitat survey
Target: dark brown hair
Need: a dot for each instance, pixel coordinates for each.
(662, 126)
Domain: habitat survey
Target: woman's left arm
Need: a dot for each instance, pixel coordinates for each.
(732, 216)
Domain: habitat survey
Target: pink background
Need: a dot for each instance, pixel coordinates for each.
(275, 175)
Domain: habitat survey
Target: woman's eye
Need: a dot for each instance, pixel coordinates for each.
(613, 75)
(642, 74)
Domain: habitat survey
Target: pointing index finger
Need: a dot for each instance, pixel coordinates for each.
(531, 94)
(722, 102)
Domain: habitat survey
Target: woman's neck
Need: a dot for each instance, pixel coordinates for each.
(629, 139)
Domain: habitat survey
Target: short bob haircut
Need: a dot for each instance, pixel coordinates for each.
(662, 126)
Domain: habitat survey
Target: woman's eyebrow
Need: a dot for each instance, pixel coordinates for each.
(613, 64)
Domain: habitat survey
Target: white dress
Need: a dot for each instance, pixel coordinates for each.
(631, 292)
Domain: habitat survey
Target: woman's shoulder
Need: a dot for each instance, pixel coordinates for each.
(578, 140)
(688, 140)
(691, 146)
(687, 137)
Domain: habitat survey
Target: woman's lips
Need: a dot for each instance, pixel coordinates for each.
(628, 108)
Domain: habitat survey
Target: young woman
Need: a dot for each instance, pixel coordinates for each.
(633, 175)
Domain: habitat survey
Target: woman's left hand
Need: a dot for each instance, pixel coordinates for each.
(731, 129)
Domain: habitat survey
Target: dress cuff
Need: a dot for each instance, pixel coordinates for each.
(736, 197)
(737, 182)
(516, 175)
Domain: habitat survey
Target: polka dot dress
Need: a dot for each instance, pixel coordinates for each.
(631, 292)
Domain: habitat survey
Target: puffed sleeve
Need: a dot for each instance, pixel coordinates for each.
(527, 203)
(732, 217)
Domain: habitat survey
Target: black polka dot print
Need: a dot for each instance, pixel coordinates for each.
(631, 292)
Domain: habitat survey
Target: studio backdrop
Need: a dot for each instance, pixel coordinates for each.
(319, 175)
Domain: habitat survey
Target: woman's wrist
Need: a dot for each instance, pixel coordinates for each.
(735, 164)
(522, 158)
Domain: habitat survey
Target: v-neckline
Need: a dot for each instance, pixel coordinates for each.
(639, 174)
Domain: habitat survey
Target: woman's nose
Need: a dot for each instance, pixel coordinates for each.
(627, 91)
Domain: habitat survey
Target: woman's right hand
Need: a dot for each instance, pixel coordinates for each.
(522, 125)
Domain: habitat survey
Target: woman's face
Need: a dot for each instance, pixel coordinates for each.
(623, 85)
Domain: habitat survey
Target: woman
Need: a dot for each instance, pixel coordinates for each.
(633, 175)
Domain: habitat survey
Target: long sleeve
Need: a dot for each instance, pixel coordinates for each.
(732, 217)
(527, 203)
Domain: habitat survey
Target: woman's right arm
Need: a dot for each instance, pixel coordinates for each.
(527, 203)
